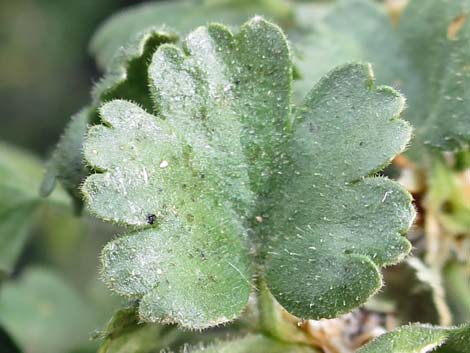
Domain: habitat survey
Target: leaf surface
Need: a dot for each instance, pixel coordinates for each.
(192, 182)
(353, 30)
(426, 58)
(436, 35)
(421, 338)
(333, 226)
(66, 164)
(125, 78)
(175, 267)
(224, 170)
(181, 16)
(124, 334)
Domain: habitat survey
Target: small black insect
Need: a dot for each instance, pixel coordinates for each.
(312, 127)
(201, 254)
(151, 219)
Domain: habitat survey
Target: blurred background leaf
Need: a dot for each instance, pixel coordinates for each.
(7, 345)
(45, 71)
(45, 77)
(20, 177)
(43, 313)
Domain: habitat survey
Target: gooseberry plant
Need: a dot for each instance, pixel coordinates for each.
(249, 175)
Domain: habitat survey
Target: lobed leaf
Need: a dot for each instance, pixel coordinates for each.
(213, 91)
(182, 16)
(436, 34)
(333, 226)
(180, 273)
(255, 343)
(426, 58)
(124, 334)
(224, 169)
(196, 183)
(66, 164)
(125, 78)
(354, 30)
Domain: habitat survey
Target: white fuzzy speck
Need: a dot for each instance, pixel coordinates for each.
(386, 195)
(146, 178)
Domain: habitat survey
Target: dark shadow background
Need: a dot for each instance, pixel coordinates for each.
(46, 73)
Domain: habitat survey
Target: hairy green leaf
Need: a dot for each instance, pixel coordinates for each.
(436, 36)
(224, 169)
(333, 226)
(125, 78)
(426, 58)
(255, 343)
(66, 164)
(421, 338)
(182, 16)
(457, 341)
(124, 334)
(198, 183)
(353, 30)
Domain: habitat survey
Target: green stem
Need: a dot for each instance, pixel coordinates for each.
(457, 283)
(275, 322)
(462, 160)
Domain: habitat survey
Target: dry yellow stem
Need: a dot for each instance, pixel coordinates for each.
(395, 8)
(455, 26)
